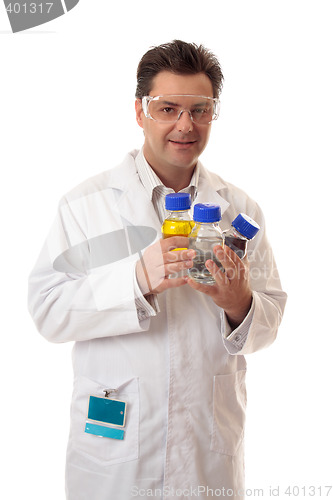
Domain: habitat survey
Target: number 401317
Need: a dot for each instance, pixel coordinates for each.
(29, 8)
(311, 491)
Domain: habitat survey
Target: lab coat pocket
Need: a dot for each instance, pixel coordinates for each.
(228, 412)
(104, 450)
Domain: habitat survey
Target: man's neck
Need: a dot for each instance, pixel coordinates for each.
(175, 180)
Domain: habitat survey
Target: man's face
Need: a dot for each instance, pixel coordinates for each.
(175, 145)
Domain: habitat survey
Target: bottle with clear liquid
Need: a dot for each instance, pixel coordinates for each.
(178, 221)
(242, 230)
(204, 236)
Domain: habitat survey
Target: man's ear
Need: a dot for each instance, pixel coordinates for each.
(139, 112)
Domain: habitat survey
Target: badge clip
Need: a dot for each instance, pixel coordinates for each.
(110, 391)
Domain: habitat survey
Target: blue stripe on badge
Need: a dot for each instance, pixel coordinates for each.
(102, 431)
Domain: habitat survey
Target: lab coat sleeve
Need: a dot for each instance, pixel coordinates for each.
(259, 328)
(83, 304)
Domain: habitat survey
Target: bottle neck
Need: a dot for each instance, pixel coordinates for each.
(178, 214)
(238, 235)
(207, 224)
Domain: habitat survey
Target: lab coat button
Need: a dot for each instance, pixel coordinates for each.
(142, 314)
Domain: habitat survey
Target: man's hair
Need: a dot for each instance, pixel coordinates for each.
(180, 58)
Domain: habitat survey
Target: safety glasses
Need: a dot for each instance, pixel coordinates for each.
(169, 108)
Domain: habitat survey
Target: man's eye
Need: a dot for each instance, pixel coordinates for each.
(200, 111)
(168, 110)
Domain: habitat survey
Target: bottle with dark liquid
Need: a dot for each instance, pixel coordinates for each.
(243, 229)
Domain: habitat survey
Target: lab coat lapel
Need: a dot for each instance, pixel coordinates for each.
(208, 191)
(134, 205)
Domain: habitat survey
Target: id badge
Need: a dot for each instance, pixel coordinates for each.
(107, 411)
(103, 431)
(110, 412)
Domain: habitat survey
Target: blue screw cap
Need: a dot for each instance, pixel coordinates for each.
(246, 226)
(206, 212)
(178, 201)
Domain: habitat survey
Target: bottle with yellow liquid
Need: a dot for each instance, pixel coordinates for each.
(178, 221)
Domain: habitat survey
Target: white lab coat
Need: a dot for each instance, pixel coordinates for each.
(183, 382)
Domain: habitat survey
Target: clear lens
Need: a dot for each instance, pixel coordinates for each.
(168, 108)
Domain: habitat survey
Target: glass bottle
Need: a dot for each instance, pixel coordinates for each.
(204, 236)
(242, 230)
(178, 221)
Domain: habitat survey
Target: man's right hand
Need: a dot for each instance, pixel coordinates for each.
(160, 260)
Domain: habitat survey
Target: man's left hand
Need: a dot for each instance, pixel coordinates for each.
(231, 290)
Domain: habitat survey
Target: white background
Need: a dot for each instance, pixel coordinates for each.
(67, 112)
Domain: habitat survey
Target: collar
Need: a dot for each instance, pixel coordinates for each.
(153, 184)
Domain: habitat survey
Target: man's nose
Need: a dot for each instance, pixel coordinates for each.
(184, 122)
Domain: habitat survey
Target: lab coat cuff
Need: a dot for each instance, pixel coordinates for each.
(234, 340)
(146, 307)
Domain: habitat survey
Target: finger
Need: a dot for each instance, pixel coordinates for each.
(242, 266)
(178, 266)
(178, 256)
(169, 244)
(231, 254)
(235, 268)
(174, 282)
(173, 263)
(227, 262)
(200, 287)
(218, 273)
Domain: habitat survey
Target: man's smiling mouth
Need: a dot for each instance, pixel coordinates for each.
(183, 142)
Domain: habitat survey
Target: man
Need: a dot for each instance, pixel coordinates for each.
(171, 349)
